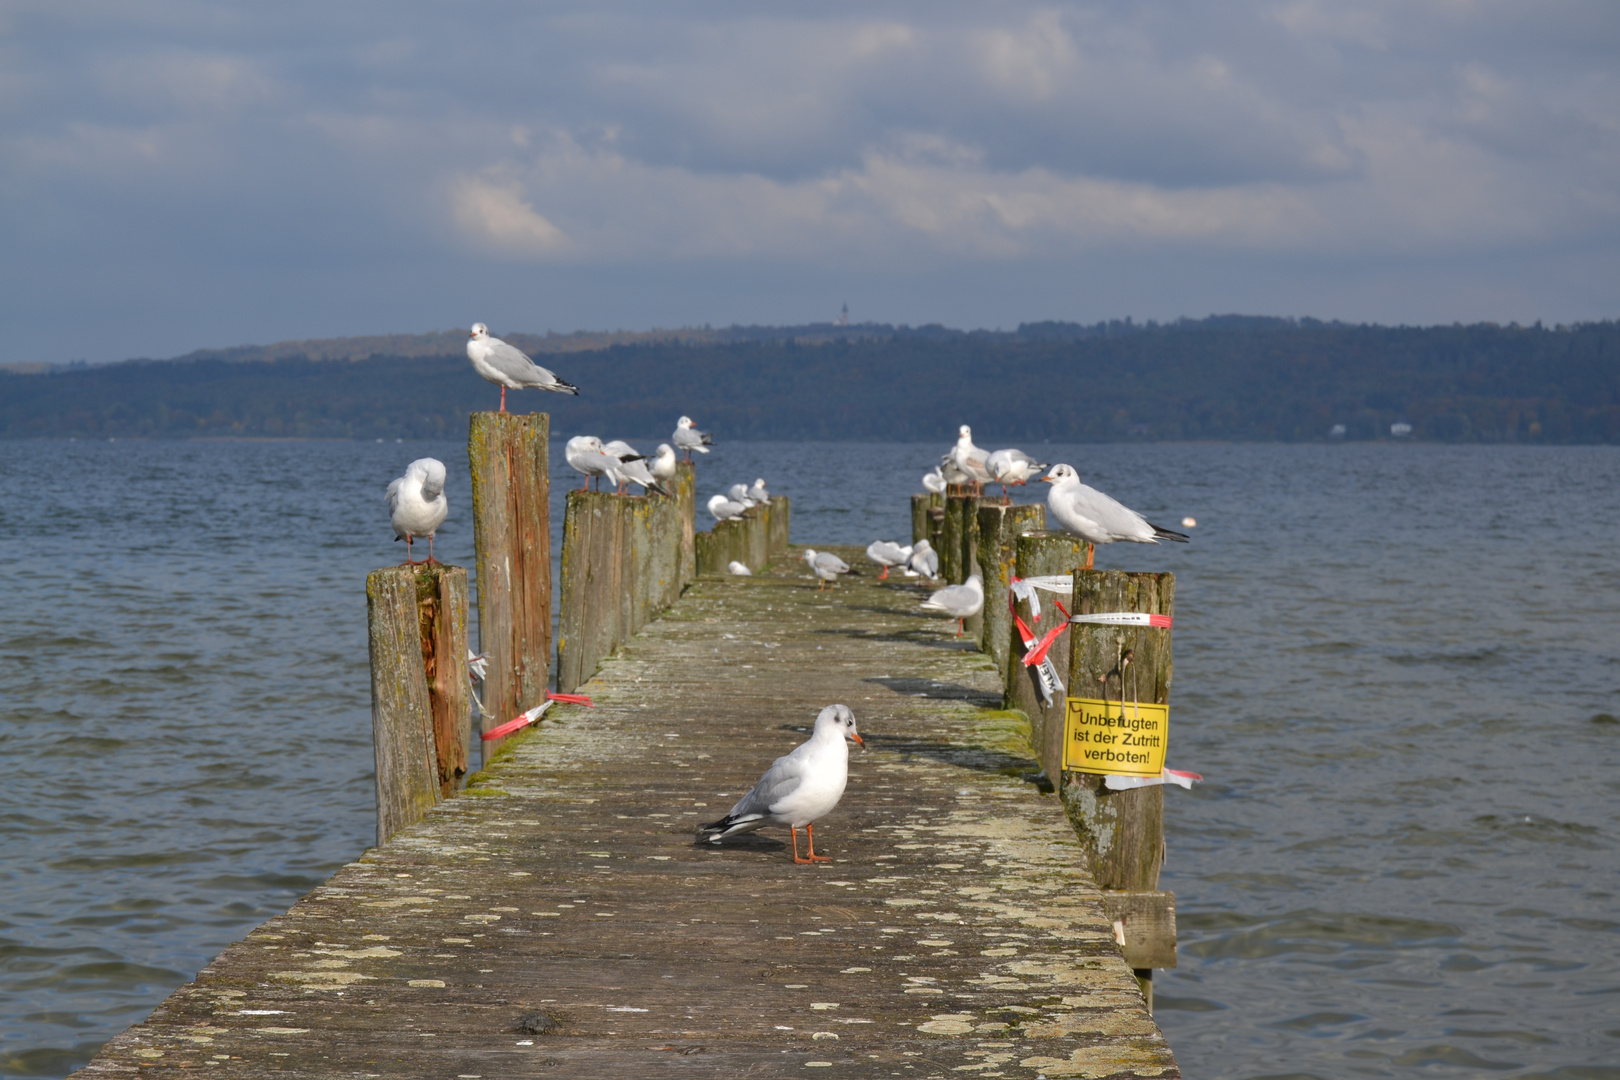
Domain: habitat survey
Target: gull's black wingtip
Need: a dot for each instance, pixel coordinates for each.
(1161, 533)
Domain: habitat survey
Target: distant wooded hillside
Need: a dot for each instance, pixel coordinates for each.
(1228, 378)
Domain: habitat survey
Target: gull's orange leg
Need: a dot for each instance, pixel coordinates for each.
(810, 831)
(1091, 553)
(503, 399)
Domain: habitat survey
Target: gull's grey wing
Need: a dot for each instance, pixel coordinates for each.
(779, 781)
(1112, 516)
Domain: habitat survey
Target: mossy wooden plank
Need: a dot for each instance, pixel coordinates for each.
(401, 711)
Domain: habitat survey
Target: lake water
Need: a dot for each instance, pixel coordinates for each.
(1397, 665)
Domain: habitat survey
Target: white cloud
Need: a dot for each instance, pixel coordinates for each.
(496, 218)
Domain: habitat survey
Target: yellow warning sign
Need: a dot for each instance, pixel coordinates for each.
(1109, 737)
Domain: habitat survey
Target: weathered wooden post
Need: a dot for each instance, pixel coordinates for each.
(959, 536)
(512, 532)
(686, 504)
(595, 593)
(779, 516)
(925, 524)
(1043, 554)
(999, 529)
(1118, 722)
(421, 699)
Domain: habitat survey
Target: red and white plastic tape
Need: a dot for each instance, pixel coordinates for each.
(1168, 776)
(1123, 618)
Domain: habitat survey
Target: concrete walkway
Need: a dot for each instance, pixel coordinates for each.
(557, 919)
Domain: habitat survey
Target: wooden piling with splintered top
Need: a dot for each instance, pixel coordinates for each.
(420, 695)
(512, 530)
(999, 529)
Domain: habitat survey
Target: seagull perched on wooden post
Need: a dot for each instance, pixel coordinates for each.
(1096, 517)
(1012, 467)
(688, 438)
(800, 788)
(970, 459)
(506, 366)
(417, 506)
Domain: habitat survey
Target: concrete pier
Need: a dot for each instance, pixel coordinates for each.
(556, 917)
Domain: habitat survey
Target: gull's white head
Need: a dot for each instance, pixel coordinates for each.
(965, 432)
(665, 450)
(809, 555)
(685, 421)
(922, 545)
(1060, 474)
(479, 331)
(759, 481)
(839, 718)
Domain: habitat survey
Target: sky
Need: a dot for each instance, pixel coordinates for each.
(178, 175)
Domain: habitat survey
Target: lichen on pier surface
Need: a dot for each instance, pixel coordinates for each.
(955, 930)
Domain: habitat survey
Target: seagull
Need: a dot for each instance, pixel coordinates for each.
(1012, 467)
(663, 466)
(953, 474)
(688, 438)
(924, 560)
(740, 569)
(500, 363)
(826, 565)
(624, 453)
(758, 492)
(417, 506)
(635, 471)
(886, 553)
(739, 494)
(969, 458)
(724, 509)
(934, 481)
(586, 455)
(958, 601)
(1095, 517)
(800, 788)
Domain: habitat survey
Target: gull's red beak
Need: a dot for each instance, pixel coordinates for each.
(858, 740)
(1047, 480)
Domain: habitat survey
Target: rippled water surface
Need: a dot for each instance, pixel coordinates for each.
(1398, 666)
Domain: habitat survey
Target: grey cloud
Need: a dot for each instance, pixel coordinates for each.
(241, 152)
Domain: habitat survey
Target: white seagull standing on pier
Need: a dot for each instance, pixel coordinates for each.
(800, 788)
(958, 601)
(417, 506)
(508, 367)
(758, 492)
(739, 494)
(826, 565)
(688, 438)
(934, 481)
(887, 554)
(924, 560)
(1096, 517)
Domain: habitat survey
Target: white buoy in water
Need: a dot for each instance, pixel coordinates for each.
(1189, 523)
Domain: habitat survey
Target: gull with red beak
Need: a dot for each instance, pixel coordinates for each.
(1096, 517)
(800, 788)
(506, 366)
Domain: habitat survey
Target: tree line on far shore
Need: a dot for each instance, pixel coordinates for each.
(1224, 378)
